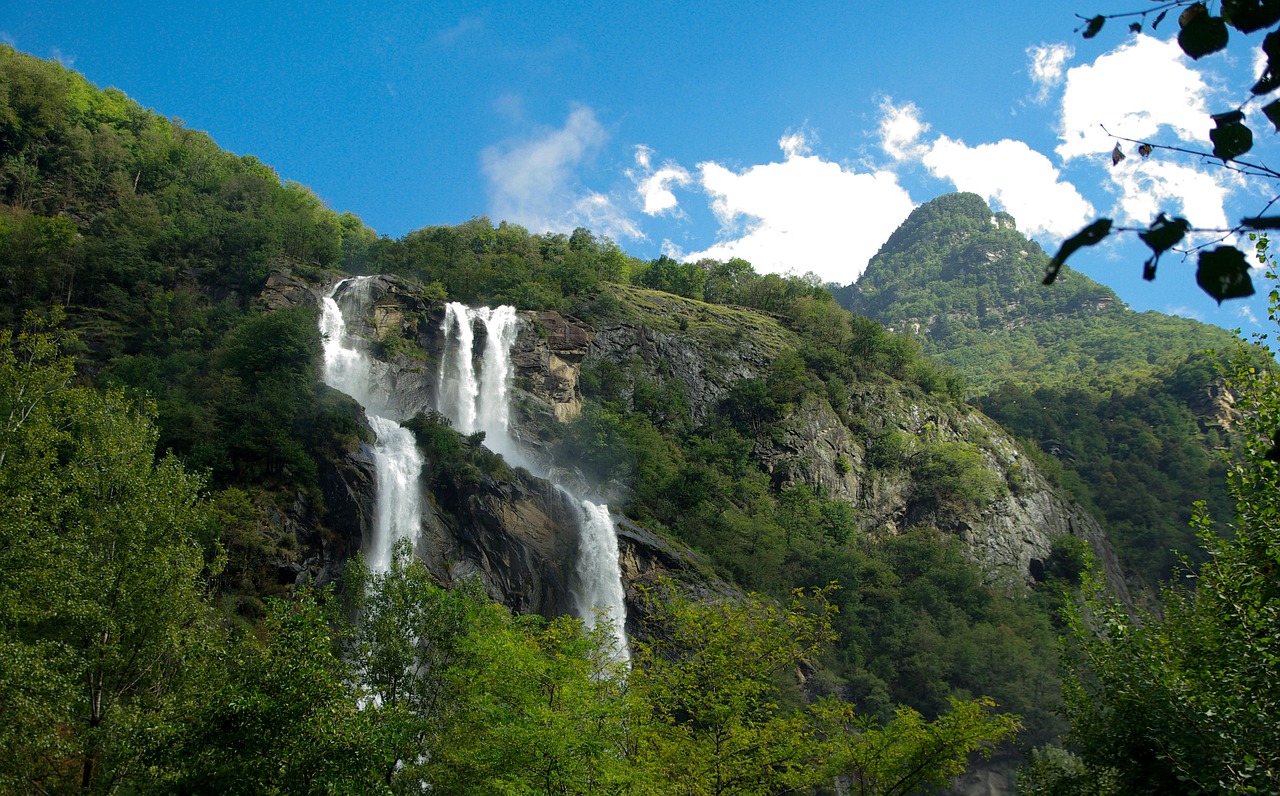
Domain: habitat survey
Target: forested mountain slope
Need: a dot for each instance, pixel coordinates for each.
(963, 280)
(1125, 407)
(757, 436)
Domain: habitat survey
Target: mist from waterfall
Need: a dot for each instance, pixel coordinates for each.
(350, 369)
(474, 392)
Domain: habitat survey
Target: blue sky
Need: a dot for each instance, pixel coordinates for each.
(795, 135)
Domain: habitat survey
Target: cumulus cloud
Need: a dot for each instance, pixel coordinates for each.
(653, 186)
(1014, 177)
(1148, 187)
(1047, 65)
(802, 214)
(794, 144)
(1134, 91)
(901, 129)
(1146, 90)
(1009, 174)
(533, 181)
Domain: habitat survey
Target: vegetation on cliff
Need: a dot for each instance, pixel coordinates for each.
(1119, 405)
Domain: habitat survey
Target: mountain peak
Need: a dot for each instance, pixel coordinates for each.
(962, 279)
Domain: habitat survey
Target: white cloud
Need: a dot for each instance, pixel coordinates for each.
(1012, 176)
(1048, 62)
(1133, 91)
(793, 144)
(599, 212)
(1245, 312)
(1008, 174)
(1147, 90)
(653, 186)
(901, 130)
(672, 250)
(803, 214)
(533, 182)
(1148, 187)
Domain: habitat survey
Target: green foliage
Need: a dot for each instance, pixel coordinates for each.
(478, 263)
(1104, 444)
(1054, 771)
(909, 754)
(709, 681)
(275, 714)
(103, 550)
(1188, 700)
(952, 480)
(456, 462)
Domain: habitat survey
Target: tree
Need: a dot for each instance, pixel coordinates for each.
(1189, 701)
(103, 555)
(541, 704)
(1223, 271)
(710, 683)
(909, 753)
(275, 714)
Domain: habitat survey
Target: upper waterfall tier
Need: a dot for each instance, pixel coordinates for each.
(349, 368)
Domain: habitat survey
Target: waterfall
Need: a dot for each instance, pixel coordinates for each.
(350, 369)
(475, 398)
(599, 579)
(474, 392)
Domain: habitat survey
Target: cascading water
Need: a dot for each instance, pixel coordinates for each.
(350, 369)
(476, 399)
(599, 578)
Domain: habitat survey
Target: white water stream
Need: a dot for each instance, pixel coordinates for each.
(475, 393)
(350, 369)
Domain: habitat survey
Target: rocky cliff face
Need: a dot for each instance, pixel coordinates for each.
(1011, 536)
(514, 534)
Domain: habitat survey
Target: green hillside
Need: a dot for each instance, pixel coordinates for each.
(966, 283)
(176, 479)
(1124, 406)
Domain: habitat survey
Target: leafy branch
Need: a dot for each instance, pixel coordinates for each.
(1223, 271)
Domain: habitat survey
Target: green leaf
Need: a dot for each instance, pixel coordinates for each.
(1145, 149)
(1094, 26)
(1117, 155)
(1163, 234)
(1159, 18)
(1267, 83)
(1201, 33)
(1088, 236)
(1224, 274)
(1135, 27)
(1272, 112)
(1231, 138)
(1248, 16)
